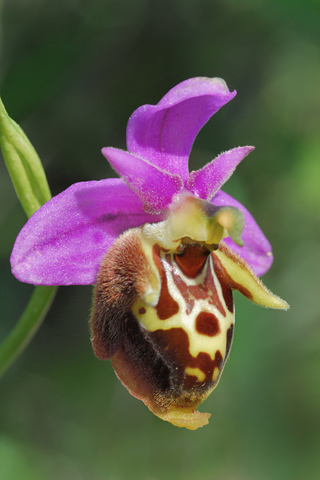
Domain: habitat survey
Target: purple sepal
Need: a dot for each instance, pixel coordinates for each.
(257, 251)
(164, 133)
(205, 183)
(154, 186)
(64, 242)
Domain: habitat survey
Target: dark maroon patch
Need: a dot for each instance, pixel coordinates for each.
(205, 291)
(167, 306)
(225, 278)
(191, 261)
(152, 366)
(207, 324)
(229, 338)
(224, 282)
(174, 343)
(142, 310)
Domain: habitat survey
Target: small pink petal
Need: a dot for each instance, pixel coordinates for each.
(206, 182)
(154, 186)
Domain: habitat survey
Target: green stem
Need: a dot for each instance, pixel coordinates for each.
(30, 182)
(27, 326)
(23, 163)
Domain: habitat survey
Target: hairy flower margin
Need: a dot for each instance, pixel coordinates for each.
(139, 237)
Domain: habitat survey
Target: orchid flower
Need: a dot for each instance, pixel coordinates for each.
(164, 248)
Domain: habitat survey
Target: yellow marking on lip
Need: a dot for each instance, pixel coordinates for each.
(198, 343)
(196, 372)
(215, 374)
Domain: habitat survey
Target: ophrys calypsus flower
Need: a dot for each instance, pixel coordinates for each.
(165, 249)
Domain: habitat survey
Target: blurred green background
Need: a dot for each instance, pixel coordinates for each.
(71, 74)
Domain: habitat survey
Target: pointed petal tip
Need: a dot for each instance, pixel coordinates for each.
(280, 304)
(249, 148)
(244, 151)
(207, 181)
(105, 150)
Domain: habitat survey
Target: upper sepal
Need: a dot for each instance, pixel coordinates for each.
(164, 133)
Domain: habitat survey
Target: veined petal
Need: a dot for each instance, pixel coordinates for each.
(257, 251)
(154, 186)
(205, 182)
(164, 133)
(64, 241)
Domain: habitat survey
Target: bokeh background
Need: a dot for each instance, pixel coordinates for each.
(71, 74)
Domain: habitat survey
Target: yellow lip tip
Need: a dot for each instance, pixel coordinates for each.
(190, 419)
(283, 305)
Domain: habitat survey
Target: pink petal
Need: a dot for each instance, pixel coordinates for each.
(64, 241)
(164, 133)
(206, 182)
(154, 186)
(256, 250)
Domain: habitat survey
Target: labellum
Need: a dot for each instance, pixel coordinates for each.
(163, 307)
